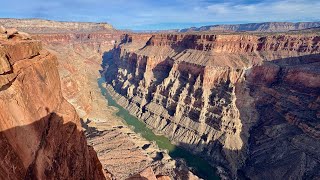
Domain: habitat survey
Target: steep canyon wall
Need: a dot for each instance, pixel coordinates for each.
(249, 104)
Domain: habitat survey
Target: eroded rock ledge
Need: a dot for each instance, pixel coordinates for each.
(249, 104)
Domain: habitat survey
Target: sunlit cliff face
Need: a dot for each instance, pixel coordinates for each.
(200, 90)
(40, 132)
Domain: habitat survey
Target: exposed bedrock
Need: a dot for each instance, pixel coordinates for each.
(40, 132)
(248, 104)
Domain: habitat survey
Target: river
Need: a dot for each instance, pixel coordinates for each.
(197, 165)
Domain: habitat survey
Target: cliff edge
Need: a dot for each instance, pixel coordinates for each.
(40, 132)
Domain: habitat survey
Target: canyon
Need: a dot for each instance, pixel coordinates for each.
(247, 103)
(79, 55)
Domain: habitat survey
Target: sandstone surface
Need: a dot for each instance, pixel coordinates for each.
(40, 132)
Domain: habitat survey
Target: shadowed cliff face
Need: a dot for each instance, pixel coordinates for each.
(210, 93)
(284, 140)
(40, 132)
(58, 151)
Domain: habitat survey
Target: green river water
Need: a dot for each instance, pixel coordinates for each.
(198, 166)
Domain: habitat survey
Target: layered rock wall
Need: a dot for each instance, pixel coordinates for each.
(200, 90)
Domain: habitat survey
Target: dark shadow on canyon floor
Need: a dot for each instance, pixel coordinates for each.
(277, 147)
(50, 147)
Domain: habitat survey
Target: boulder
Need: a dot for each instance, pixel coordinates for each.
(23, 36)
(3, 36)
(146, 174)
(2, 30)
(12, 31)
(4, 64)
(161, 177)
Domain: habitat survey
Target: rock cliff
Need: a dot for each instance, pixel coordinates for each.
(249, 104)
(40, 132)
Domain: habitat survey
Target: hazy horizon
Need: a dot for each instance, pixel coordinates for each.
(164, 15)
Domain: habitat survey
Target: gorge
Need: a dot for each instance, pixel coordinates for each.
(238, 105)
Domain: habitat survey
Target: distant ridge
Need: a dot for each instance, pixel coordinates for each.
(256, 27)
(49, 26)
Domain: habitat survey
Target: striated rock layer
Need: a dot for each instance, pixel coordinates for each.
(40, 132)
(249, 104)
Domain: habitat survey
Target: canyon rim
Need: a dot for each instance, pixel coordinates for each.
(163, 100)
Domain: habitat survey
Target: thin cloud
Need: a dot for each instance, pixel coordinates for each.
(266, 11)
(149, 14)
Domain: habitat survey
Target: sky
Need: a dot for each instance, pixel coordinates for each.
(163, 14)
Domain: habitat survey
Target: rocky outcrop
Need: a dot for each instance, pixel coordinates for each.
(257, 27)
(228, 98)
(148, 174)
(40, 132)
(124, 153)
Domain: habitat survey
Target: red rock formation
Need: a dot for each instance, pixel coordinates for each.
(40, 132)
